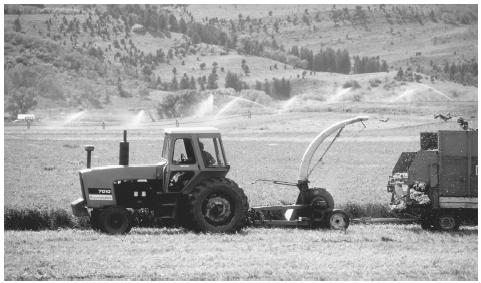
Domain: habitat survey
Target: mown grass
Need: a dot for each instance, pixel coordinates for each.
(36, 219)
(364, 252)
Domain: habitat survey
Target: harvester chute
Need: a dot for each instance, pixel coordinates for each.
(317, 141)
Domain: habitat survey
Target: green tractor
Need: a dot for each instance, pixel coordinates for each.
(188, 186)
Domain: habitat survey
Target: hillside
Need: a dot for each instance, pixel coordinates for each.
(111, 57)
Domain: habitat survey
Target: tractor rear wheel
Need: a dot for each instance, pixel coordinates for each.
(338, 220)
(115, 220)
(216, 205)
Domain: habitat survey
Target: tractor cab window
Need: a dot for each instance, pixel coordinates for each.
(165, 149)
(183, 152)
(212, 154)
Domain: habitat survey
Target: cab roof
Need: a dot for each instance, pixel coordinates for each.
(192, 130)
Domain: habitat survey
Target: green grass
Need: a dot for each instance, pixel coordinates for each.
(364, 252)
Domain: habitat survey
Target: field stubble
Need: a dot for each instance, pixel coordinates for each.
(364, 252)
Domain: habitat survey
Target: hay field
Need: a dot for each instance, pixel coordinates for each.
(41, 167)
(364, 252)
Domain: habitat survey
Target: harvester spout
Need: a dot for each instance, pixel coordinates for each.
(314, 145)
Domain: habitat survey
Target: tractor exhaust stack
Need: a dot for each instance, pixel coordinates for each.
(124, 151)
(89, 149)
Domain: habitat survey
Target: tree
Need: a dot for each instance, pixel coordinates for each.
(174, 26)
(21, 101)
(192, 83)
(202, 66)
(147, 70)
(17, 27)
(182, 26)
(174, 85)
(245, 67)
(174, 71)
(258, 85)
(400, 74)
(384, 67)
(184, 82)
(212, 80)
(232, 80)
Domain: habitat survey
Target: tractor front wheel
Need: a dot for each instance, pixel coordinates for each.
(338, 220)
(217, 205)
(115, 220)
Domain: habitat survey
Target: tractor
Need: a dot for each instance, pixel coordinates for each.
(188, 187)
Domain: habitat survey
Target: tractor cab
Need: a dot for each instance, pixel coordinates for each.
(191, 154)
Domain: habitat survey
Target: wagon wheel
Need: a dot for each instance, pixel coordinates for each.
(447, 222)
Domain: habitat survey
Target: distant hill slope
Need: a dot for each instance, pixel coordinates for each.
(131, 56)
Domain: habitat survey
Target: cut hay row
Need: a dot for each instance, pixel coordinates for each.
(36, 219)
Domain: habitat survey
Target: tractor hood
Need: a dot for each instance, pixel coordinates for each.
(104, 177)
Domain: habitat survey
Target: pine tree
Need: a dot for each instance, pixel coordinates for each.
(184, 82)
(212, 80)
(192, 83)
(182, 26)
(17, 27)
(174, 85)
(400, 74)
(233, 81)
(384, 67)
(174, 26)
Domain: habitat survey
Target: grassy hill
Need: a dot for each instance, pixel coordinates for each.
(114, 57)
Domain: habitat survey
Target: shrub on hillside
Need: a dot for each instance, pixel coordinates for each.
(232, 80)
(178, 104)
(21, 100)
(351, 84)
(256, 96)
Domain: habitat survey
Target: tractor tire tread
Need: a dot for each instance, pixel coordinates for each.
(189, 220)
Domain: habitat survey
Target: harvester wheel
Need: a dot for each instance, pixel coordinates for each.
(115, 220)
(217, 205)
(338, 220)
(447, 222)
(319, 199)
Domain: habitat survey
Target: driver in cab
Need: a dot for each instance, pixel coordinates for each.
(209, 160)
